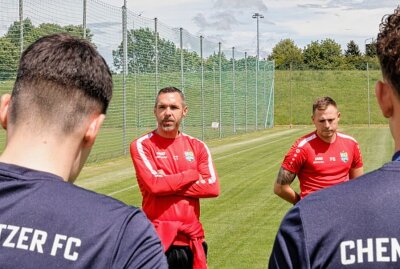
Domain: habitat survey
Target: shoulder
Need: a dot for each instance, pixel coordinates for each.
(86, 202)
(193, 140)
(144, 137)
(306, 139)
(142, 140)
(346, 137)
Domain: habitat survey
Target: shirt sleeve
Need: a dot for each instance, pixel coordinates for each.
(148, 176)
(295, 158)
(138, 245)
(357, 159)
(208, 186)
(289, 250)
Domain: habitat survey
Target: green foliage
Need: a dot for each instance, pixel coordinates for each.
(286, 54)
(324, 55)
(353, 57)
(370, 49)
(9, 55)
(142, 58)
(212, 62)
(10, 42)
(352, 49)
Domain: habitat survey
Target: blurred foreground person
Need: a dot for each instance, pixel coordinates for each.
(60, 97)
(354, 224)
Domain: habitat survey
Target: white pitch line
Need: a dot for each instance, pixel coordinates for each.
(122, 190)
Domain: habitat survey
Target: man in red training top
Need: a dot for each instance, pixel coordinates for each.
(174, 170)
(320, 159)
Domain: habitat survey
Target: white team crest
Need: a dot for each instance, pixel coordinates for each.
(344, 156)
(189, 156)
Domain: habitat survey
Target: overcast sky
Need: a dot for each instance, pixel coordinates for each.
(303, 21)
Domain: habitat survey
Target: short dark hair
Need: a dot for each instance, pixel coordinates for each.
(171, 90)
(322, 103)
(388, 48)
(60, 78)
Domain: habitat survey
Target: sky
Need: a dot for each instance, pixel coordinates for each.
(303, 21)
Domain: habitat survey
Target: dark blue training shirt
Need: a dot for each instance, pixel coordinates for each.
(351, 225)
(48, 223)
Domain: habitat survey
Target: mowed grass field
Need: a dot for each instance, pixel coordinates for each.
(241, 223)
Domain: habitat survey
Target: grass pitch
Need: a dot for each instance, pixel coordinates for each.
(241, 223)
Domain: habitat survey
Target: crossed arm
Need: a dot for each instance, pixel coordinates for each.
(282, 186)
(199, 182)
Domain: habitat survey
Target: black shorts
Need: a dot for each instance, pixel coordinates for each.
(181, 257)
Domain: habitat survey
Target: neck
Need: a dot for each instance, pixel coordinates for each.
(329, 139)
(43, 153)
(168, 134)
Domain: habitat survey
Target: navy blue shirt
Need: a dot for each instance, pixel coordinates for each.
(351, 225)
(48, 223)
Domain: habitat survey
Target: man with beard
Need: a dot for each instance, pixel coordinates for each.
(320, 159)
(173, 171)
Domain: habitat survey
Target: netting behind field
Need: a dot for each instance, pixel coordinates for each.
(225, 92)
(353, 91)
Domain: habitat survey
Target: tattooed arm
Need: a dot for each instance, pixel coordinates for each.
(282, 186)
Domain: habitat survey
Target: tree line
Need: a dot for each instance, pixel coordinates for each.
(141, 52)
(321, 55)
(10, 42)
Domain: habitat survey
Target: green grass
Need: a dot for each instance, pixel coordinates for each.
(241, 223)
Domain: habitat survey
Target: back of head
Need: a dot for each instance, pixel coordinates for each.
(60, 80)
(322, 103)
(388, 48)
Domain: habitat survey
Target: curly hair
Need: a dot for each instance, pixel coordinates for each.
(388, 48)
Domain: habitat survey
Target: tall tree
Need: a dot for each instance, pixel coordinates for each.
(370, 49)
(142, 55)
(286, 54)
(10, 42)
(9, 55)
(352, 49)
(324, 55)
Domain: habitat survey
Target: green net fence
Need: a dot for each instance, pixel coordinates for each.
(226, 93)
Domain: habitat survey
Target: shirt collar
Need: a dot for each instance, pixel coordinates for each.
(396, 156)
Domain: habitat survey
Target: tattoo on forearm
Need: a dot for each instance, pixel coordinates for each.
(285, 177)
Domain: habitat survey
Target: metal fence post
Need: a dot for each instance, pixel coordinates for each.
(124, 75)
(156, 55)
(21, 25)
(182, 73)
(214, 94)
(202, 88)
(369, 105)
(256, 93)
(84, 18)
(265, 93)
(234, 89)
(220, 89)
(246, 91)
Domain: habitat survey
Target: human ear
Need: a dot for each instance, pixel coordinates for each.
(4, 105)
(384, 95)
(93, 129)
